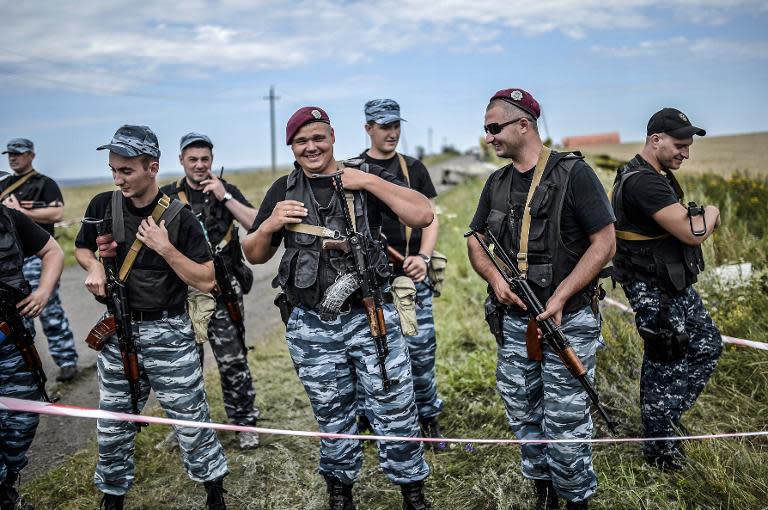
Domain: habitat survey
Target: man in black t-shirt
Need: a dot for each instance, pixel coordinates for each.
(658, 257)
(327, 331)
(39, 197)
(550, 213)
(219, 205)
(172, 254)
(415, 246)
(20, 238)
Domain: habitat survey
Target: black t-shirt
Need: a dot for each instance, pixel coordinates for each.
(420, 180)
(49, 192)
(191, 240)
(197, 198)
(323, 191)
(586, 209)
(31, 236)
(644, 195)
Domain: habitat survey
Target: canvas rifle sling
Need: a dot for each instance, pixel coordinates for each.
(319, 231)
(525, 228)
(16, 185)
(408, 230)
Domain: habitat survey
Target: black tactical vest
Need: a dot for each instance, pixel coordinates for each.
(30, 190)
(550, 261)
(306, 270)
(11, 254)
(666, 262)
(150, 287)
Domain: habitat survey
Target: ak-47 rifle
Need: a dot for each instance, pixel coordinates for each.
(550, 331)
(355, 244)
(12, 326)
(224, 281)
(118, 321)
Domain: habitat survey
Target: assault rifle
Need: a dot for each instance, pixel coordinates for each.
(118, 321)
(12, 325)
(550, 331)
(355, 244)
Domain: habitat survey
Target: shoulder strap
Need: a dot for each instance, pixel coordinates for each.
(166, 209)
(522, 255)
(181, 193)
(13, 187)
(118, 225)
(408, 230)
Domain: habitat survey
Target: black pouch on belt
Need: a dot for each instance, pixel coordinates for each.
(282, 304)
(664, 345)
(494, 316)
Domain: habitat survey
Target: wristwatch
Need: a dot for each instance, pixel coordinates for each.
(426, 258)
(227, 196)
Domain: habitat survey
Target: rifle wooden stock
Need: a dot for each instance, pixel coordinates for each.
(104, 328)
(395, 256)
(341, 245)
(572, 362)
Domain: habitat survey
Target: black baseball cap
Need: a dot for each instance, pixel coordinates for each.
(674, 123)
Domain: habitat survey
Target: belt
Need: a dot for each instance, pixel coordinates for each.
(156, 315)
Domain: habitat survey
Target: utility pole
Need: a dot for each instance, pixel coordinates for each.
(272, 98)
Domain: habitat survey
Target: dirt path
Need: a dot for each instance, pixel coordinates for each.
(58, 438)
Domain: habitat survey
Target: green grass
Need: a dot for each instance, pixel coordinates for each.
(722, 474)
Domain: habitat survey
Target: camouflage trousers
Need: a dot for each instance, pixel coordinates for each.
(329, 357)
(544, 401)
(422, 349)
(667, 390)
(61, 342)
(16, 429)
(236, 381)
(169, 365)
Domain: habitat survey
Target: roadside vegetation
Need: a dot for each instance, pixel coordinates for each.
(281, 474)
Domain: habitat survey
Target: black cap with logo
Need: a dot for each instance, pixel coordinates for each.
(674, 123)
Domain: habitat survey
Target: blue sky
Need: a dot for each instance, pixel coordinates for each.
(72, 73)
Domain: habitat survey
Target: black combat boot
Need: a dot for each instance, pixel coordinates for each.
(574, 505)
(546, 496)
(215, 490)
(111, 502)
(413, 497)
(339, 495)
(431, 428)
(9, 496)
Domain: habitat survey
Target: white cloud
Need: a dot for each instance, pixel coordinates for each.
(704, 48)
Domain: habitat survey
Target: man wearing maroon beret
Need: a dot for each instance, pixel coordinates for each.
(550, 212)
(333, 348)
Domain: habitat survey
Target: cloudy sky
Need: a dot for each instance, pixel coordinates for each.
(73, 72)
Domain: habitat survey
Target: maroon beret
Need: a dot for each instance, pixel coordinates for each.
(302, 117)
(521, 99)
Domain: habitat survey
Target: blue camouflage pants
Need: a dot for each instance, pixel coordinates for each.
(16, 429)
(667, 390)
(236, 381)
(61, 343)
(169, 365)
(328, 358)
(544, 401)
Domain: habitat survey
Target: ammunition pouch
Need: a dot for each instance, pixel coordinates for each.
(664, 345)
(436, 272)
(201, 307)
(494, 316)
(282, 304)
(404, 298)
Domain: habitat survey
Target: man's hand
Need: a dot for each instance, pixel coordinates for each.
(415, 268)
(11, 202)
(32, 305)
(96, 281)
(354, 179)
(504, 294)
(554, 309)
(107, 246)
(154, 236)
(285, 212)
(214, 185)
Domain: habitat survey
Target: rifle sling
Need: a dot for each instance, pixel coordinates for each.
(317, 230)
(626, 235)
(16, 185)
(525, 228)
(166, 209)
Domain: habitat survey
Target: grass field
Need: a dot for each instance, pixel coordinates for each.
(722, 474)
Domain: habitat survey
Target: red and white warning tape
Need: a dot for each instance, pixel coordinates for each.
(31, 406)
(726, 339)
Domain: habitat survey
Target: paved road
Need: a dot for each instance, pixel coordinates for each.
(58, 438)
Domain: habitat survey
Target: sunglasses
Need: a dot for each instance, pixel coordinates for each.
(494, 128)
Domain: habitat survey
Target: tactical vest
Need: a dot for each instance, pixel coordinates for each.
(550, 261)
(661, 260)
(150, 287)
(30, 190)
(306, 270)
(11, 254)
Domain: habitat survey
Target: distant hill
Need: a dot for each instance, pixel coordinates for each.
(718, 154)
